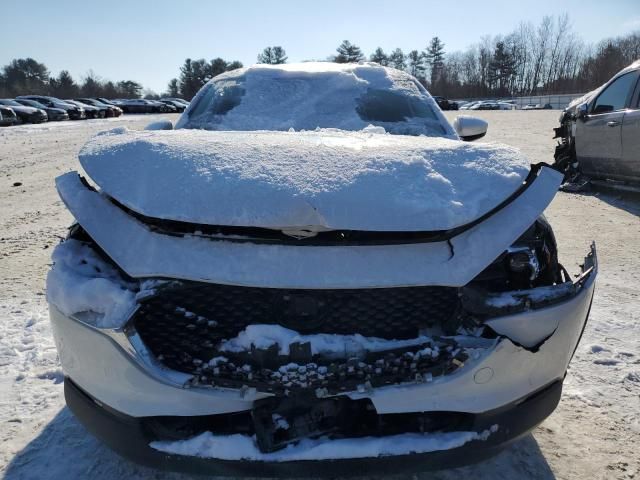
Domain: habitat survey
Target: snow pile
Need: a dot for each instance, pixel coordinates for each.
(331, 345)
(243, 447)
(324, 179)
(313, 95)
(80, 281)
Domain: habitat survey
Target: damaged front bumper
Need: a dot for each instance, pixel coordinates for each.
(479, 383)
(131, 438)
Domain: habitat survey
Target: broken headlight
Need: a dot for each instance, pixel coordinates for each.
(524, 260)
(532, 261)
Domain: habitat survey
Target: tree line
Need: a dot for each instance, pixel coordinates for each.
(547, 58)
(532, 60)
(26, 76)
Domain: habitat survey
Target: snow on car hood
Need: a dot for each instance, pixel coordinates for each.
(323, 179)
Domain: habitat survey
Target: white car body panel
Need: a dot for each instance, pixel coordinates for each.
(500, 375)
(143, 253)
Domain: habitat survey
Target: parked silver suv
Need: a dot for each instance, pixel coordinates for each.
(600, 131)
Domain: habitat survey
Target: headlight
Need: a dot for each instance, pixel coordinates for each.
(524, 259)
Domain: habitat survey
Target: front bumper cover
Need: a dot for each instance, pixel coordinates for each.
(136, 384)
(129, 437)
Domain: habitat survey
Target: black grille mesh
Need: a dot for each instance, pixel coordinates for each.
(185, 321)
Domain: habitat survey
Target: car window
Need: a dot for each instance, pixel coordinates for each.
(389, 106)
(614, 97)
(218, 99)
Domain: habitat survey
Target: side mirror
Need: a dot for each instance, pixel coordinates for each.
(582, 111)
(160, 125)
(470, 128)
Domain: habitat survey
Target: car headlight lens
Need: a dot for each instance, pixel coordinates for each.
(523, 260)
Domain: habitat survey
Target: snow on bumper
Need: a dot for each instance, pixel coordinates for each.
(114, 366)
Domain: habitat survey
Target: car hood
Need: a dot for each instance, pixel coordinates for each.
(318, 180)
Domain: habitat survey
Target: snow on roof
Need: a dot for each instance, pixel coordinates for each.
(324, 179)
(316, 94)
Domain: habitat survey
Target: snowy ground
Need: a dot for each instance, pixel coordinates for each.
(594, 433)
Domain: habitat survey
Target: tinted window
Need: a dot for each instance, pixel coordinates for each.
(218, 99)
(389, 106)
(614, 97)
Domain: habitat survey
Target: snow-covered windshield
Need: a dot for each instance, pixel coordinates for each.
(316, 95)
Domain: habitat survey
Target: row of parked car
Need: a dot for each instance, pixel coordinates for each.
(141, 105)
(446, 104)
(488, 105)
(41, 108)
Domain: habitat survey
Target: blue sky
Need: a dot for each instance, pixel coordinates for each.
(147, 41)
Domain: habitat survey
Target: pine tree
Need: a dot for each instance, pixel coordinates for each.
(348, 53)
(109, 90)
(63, 86)
(435, 58)
(379, 57)
(25, 76)
(273, 55)
(129, 89)
(416, 64)
(216, 67)
(397, 59)
(234, 65)
(501, 69)
(91, 86)
(172, 88)
(187, 82)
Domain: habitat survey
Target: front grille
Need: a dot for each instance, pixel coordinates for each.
(183, 323)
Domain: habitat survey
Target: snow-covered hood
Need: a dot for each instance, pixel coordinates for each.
(323, 179)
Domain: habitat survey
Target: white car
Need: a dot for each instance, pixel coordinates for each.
(312, 267)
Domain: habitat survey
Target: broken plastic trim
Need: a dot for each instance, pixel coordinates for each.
(532, 335)
(319, 376)
(260, 235)
(486, 304)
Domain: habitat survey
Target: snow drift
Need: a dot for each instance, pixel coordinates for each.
(323, 179)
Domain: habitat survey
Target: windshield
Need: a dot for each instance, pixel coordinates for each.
(32, 103)
(261, 98)
(13, 103)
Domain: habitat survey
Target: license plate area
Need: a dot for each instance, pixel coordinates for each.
(279, 422)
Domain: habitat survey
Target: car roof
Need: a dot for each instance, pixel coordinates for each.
(313, 95)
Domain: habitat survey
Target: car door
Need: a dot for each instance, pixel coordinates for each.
(630, 164)
(598, 137)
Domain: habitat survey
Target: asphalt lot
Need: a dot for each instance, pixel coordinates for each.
(594, 433)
